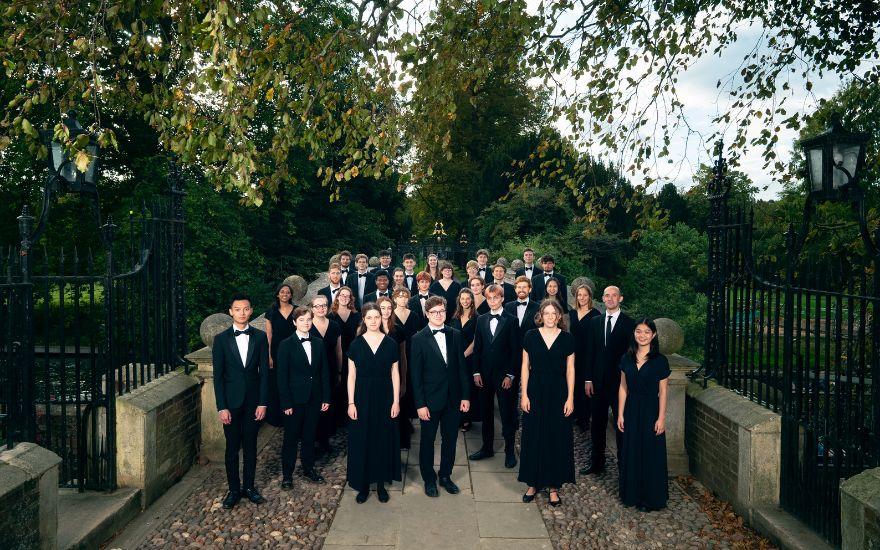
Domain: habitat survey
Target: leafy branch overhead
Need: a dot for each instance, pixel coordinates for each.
(364, 88)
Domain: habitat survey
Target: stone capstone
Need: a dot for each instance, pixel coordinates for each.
(669, 335)
(299, 287)
(213, 325)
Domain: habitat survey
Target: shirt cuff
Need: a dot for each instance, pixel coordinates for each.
(476, 374)
(511, 376)
(588, 381)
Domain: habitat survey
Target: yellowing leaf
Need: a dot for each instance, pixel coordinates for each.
(270, 93)
(82, 161)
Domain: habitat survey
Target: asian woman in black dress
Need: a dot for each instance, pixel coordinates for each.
(331, 334)
(552, 291)
(547, 457)
(373, 407)
(408, 325)
(446, 287)
(343, 311)
(279, 326)
(642, 419)
(465, 320)
(579, 323)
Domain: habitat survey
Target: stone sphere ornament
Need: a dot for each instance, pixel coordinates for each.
(669, 335)
(334, 259)
(503, 261)
(374, 261)
(517, 264)
(213, 325)
(578, 281)
(299, 287)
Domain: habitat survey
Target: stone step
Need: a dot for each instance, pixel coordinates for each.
(88, 519)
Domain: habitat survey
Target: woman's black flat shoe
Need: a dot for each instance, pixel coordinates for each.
(557, 502)
(527, 498)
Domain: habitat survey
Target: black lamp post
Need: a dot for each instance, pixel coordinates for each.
(834, 161)
(64, 169)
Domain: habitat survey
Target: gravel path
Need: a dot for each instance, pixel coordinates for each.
(592, 515)
(297, 518)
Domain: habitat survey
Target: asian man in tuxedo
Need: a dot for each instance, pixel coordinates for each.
(610, 335)
(440, 382)
(496, 360)
(241, 388)
(539, 281)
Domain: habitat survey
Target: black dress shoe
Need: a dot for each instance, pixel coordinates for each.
(362, 496)
(286, 483)
(527, 498)
(254, 496)
(431, 490)
(313, 476)
(481, 454)
(449, 485)
(509, 460)
(382, 494)
(232, 498)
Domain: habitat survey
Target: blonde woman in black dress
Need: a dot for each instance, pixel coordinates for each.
(547, 456)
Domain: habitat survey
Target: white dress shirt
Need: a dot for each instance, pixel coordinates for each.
(306, 345)
(493, 323)
(614, 316)
(440, 338)
(529, 270)
(242, 342)
(361, 286)
(521, 310)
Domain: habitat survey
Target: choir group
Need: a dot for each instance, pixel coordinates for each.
(376, 349)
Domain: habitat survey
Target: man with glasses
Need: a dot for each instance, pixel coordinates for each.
(440, 380)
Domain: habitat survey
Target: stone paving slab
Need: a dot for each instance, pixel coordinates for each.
(514, 544)
(414, 484)
(497, 486)
(510, 520)
(371, 523)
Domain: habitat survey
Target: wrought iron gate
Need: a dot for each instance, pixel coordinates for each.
(802, 341)
(80, 328)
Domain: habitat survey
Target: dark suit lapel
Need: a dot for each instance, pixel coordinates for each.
(233, 347)
(435, 346)
(251, 346)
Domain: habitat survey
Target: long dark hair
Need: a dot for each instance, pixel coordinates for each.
(276, 303)
(654, 350)
(370, 307)
(459, 311)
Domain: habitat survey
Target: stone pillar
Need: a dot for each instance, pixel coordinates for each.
(671, 340)
(213, 443)
(29, 497)
(860, 511)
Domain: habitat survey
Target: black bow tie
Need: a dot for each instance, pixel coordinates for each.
(523, 304)
(246, 332)
(362, 274)
(309, 339)
(548, 274)
(343, 270)
(382, 294)
(423, 296)
(494, 316)
(482, 269)
(440, 330)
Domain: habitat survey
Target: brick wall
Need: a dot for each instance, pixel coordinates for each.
(713, 449)
(177, 434)
(20, 516)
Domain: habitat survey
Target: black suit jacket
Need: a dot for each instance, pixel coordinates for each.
(435, 382)
(373, 296)
(235, 384)
(495, 358)
(489, 278)
(602, 365)
(509, 292)
(410, 284)
(528, 322)
(347, 279)
(522, 271)
(297, 377)
(369, 285)
(415, 305)
(539, 290)
(326, 292)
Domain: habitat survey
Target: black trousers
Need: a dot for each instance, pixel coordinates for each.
(241, 435)
(599, 403)
(506, 409)
(582, 410)
(300, 426)
(447, 420)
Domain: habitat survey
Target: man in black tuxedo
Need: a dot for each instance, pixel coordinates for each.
(498, 273)
(419, 298)
(483, 269)
(335, 274)
(304, 393)
(241, 388)
(345, 267)
(528, 268)
(362, 282)
(497, 361)
(539, 281)
(440, 379)
(523, 308)
(409, 273)
(384, 261)
(381, 279)
(610, 335)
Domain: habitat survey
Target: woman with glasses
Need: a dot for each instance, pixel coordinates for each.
(279, 326)
(547, 455)
(331, 334)
(373, 406)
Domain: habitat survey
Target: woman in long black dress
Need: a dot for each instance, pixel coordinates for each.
(343, 311)
(407, 325)
(331, 334)
(279, 326)
(642, 419)
(578, 323)
(373, 406)
(547, 457)
(465, 320)
(446, 286)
